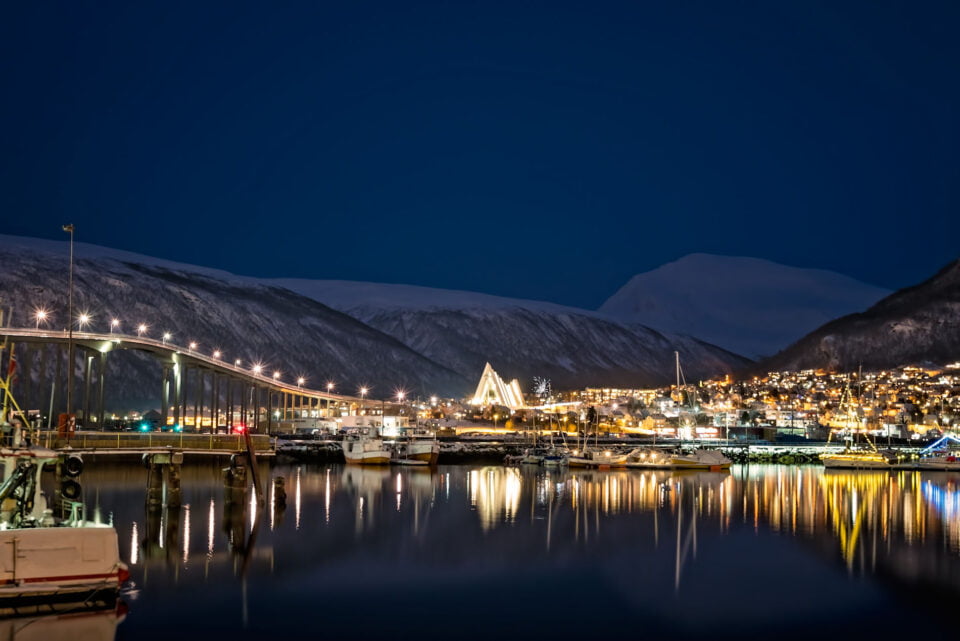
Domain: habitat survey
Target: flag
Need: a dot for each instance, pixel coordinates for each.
(12, 369)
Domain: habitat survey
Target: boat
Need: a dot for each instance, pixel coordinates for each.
(648, 458)
(855, 455)
(596, 457)
(46, 560)
(366, 447)
(700, 459)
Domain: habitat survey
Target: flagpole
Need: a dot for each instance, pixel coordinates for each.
(69, 230)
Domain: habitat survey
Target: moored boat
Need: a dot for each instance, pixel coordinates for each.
(366, 447)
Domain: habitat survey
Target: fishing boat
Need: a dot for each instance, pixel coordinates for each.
(365, 446)
(46, 560)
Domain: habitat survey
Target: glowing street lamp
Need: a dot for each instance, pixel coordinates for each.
(83, 320)
(363, 394)
(114, 324)
(257, 369)
(141, 329)
(329, 387)
(400, 395)
(41, 315)
(300, 381)
(276, 376)
(166, 337)
(193, 346)
(216, 353)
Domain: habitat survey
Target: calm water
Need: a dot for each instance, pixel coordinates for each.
(491, 552)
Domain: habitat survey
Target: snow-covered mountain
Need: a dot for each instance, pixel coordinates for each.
(914, 326)
(747, 305)
(248, 320)
(523, 338)
(388, 336)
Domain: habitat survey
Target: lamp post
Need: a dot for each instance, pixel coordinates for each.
(141, 329)
(114, 324)
(69, 229)
(40, 315)
(363, 393)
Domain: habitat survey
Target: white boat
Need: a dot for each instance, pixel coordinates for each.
(700, 459)
(366, 447)
(44, 560)
(596, 457)
(649, 458)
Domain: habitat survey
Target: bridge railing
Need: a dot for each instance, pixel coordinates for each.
(134, 441)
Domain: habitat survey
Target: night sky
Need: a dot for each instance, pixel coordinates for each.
(536, 150)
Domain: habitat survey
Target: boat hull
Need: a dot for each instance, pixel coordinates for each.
(427, 451)
(36, 563)
(855, 462)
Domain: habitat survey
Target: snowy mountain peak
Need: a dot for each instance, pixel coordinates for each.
(750, 306)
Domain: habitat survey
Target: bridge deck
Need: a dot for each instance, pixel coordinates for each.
(126, 442)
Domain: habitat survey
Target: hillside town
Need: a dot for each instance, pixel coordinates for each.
(908, 403)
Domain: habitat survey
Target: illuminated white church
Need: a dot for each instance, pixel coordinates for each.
(493, 391)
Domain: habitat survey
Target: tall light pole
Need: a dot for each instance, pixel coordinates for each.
(69, 230)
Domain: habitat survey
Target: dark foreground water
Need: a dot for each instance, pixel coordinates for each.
(501, 553)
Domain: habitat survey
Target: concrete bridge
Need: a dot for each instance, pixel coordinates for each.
(196, 388)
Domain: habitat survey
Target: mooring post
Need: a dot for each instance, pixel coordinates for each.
(154, 484)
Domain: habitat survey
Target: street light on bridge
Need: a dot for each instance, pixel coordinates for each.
(300, 381)
(83, 320)
(41, 315)
(114, 324)
(256, 369)
(141, 329)
(329, 387)
(276, 376)
(166, 336)
(193, 346)
(216, 353)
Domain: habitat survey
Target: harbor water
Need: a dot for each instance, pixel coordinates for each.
(482, 552)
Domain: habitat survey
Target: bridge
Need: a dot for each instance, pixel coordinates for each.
(213, 390)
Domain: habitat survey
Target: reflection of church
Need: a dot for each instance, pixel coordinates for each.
(493, 391)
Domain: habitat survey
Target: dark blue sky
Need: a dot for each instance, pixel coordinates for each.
(538, 150)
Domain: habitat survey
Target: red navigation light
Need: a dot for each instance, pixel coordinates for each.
(239, 429)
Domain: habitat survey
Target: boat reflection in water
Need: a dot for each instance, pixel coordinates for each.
(690, 553)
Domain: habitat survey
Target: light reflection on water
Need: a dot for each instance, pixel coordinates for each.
(649, 543)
